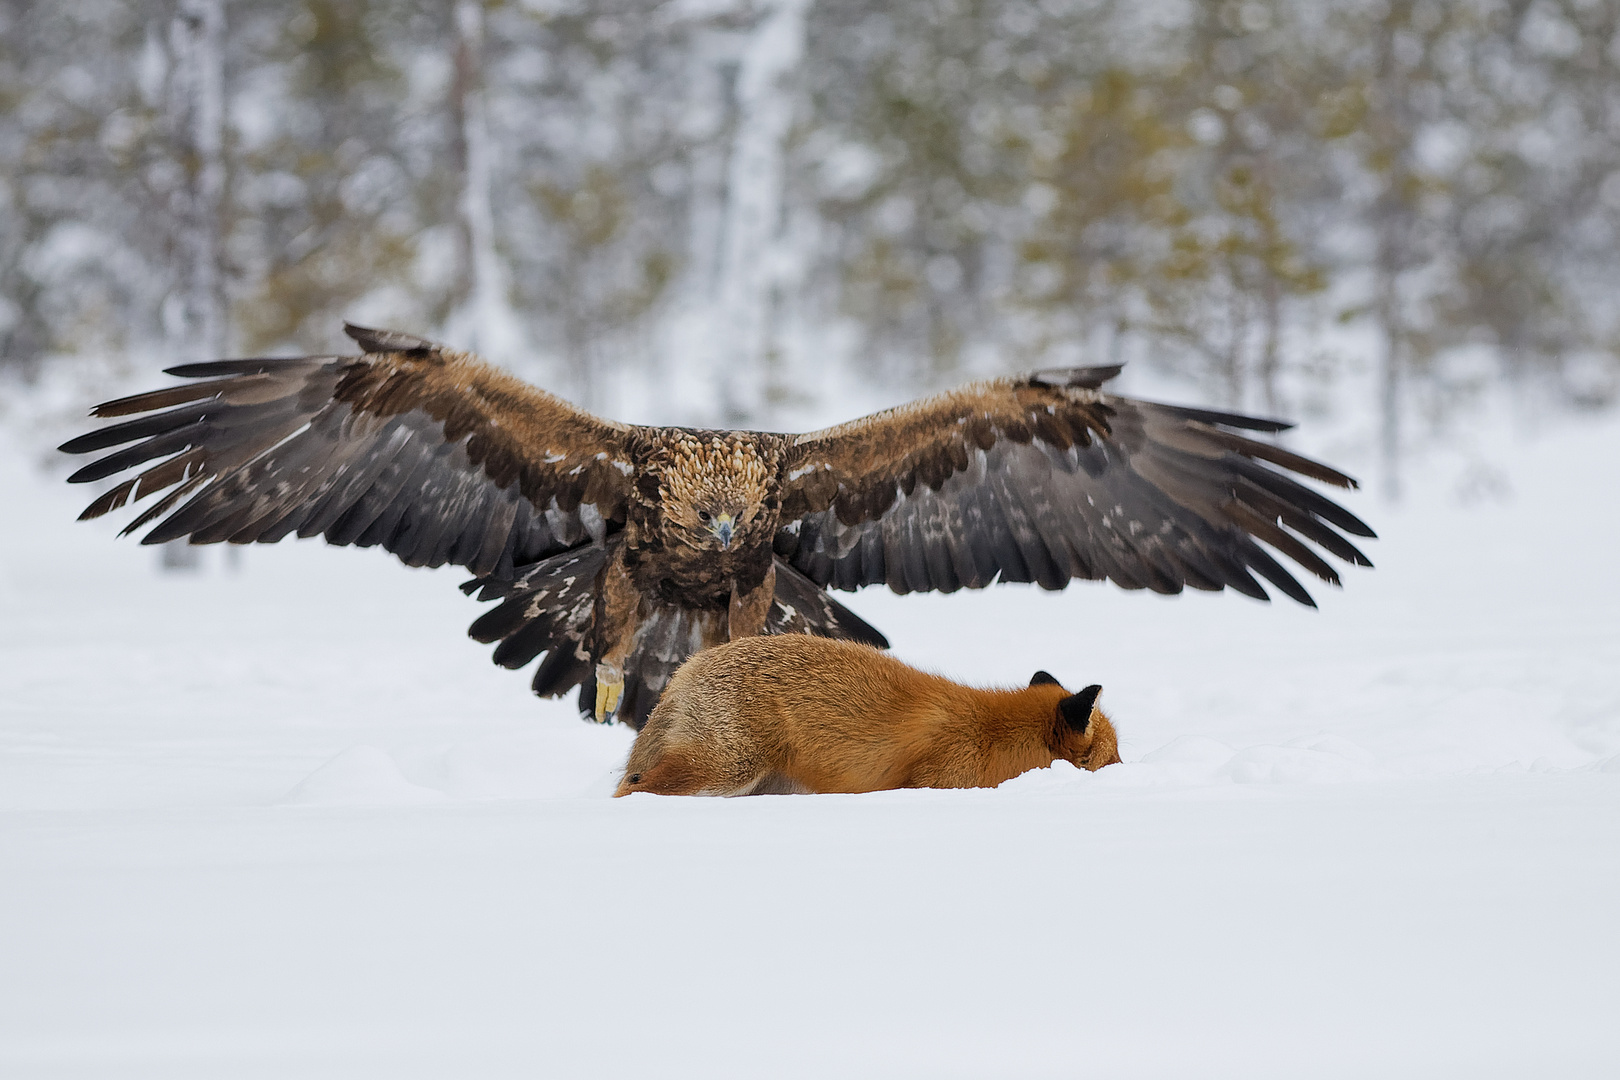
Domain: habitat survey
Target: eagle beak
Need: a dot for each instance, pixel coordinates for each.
(721, 528)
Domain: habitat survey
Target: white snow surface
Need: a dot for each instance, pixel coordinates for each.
(290, 821)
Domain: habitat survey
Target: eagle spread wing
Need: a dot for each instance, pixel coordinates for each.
(431, 453)
(576, 523)
(1046, 478)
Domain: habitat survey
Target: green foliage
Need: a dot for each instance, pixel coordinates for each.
(1204, 189)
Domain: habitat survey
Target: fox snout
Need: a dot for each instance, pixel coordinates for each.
(1104, 749)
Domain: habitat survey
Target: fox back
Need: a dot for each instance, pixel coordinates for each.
(799, 713)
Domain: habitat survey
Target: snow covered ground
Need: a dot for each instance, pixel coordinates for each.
(289, 821)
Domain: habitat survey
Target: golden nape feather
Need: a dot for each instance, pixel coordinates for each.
(616, 551)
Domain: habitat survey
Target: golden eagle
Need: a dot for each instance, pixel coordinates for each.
(618, 551)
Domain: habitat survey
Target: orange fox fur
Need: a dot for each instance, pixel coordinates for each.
(796, 713)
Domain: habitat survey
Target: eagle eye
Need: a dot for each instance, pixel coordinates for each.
(703, 515)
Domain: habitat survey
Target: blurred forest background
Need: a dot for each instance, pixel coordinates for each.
(729, 212)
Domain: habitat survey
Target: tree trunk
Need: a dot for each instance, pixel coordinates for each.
(1389, 367)
(1233, 373)
(752, 260)
(197, 125)
(479, 314)
(196, 107)
(1271, 345)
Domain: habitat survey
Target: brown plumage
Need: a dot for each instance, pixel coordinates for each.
(617, 551)
(803, 714)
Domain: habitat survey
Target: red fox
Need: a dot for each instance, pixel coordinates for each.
(795, 713)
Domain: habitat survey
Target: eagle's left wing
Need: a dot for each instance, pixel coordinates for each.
(1046, 478)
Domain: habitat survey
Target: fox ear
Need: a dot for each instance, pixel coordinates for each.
(1042, 678)
(1076, 708)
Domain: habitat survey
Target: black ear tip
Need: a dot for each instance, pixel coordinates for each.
(1076, 708)
(1042, 678)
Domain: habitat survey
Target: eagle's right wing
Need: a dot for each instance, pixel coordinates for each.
(431, 453)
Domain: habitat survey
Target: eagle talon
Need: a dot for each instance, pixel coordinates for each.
(609, 692)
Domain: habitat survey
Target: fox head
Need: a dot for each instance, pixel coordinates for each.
(1081, 731)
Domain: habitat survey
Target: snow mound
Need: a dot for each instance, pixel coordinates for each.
(359, 776)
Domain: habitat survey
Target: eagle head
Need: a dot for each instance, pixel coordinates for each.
(715, 491)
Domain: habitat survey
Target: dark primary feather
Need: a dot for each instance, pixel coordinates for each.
(426, 452)
(1045, 479)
